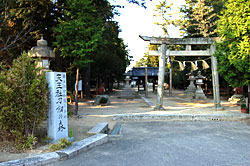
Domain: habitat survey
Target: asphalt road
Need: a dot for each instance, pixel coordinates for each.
(172, 143)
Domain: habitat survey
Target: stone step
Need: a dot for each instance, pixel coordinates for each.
(99, 128)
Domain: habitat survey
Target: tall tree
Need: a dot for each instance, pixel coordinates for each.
(147, 60)
(233, 51)
(111, 58)
(201, 19)
(196, 18)
(22, 23)
(78, 34)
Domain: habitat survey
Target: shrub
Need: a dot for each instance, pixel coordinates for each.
(23, 100)
(63, 143)
(244, 106)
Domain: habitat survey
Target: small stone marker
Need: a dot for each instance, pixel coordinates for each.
(57, 114)
(99, 98)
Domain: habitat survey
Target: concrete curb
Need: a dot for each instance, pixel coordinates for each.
(83, 145)
(34, 160)
(181, 117)
(66, 153)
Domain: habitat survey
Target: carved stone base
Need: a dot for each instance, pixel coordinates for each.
(190, 91)
(199, 94)
(127, 93)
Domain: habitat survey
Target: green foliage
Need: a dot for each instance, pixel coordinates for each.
(71, 133)
(70, 113)
(138, 2)
(202, 19)
(233, 52)
(78, 34)
(63, 143)
(111, 58)
(79, 31)
(244, 106)
(23, 99)
(22, 23)
(196, 18)
(26, 142)
(147, 60)
(82, 31)
(199, 19)
(45, 140)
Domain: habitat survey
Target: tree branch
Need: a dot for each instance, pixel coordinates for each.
(12, 41)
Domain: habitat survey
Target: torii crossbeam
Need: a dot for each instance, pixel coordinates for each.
(188, 52)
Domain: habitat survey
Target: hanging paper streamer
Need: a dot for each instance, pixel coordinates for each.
(181, 66)
(193, 67)
(204, 64)
(167, 60)
(184, 63)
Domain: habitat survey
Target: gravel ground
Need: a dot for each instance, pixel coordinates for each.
(90, 115)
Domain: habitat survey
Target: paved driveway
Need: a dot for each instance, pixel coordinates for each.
(162, 143)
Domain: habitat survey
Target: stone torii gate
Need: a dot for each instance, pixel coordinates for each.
(188, 52)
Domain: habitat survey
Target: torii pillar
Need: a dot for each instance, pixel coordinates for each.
(215, 79)
(161, 75)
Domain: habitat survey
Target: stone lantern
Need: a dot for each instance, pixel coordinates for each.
(43, 52)
(127, 92)
(190, 91)
(199, 94)
(127, 79)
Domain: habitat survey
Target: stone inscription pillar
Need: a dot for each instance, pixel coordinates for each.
(57, 115)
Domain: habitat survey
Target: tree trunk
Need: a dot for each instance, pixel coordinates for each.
(76, 95)
(146, 81)
(98, 82)
(228, 92)
(248, 105)
(110, 84)
(87, 82)
(170, 77)
(138, 85)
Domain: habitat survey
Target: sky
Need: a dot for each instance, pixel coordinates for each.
(135, 20)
